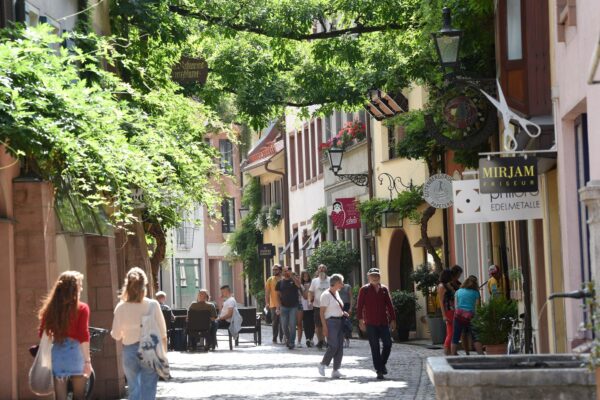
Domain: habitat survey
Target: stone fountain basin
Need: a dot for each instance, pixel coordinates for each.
(540, 376)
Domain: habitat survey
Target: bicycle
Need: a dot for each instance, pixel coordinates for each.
(516, 337)
(96, 345)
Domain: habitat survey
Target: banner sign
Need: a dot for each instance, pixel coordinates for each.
(473, 207)
(345, 215)
(508, 175)
(266, 250)
(190, 70)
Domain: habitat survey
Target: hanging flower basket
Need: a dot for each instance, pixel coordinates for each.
(353, 132)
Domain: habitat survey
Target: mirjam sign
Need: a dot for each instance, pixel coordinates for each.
(508, 175)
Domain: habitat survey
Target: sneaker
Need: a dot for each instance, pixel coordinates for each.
(299, 344)
(380, 376)
(336, 374)
(384, 371)
(321, 369)
(320, 345)
(308, 343)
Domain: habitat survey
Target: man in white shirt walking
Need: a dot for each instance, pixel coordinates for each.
(318, 285)
(332, 318)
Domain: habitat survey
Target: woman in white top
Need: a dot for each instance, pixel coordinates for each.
(332, 314)
(126, 327)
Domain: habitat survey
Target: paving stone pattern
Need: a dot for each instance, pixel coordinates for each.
(274, 372)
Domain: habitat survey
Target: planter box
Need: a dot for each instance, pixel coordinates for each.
(547, 376)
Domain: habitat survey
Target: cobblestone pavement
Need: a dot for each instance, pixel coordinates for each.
(274, 372)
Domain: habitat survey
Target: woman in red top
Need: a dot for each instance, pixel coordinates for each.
(65, 320)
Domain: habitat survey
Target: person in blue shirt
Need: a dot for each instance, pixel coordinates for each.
(466, 300)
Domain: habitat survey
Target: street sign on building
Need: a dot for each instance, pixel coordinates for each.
(437, 191)
(344, 214)
(508, 175)
(266, 251)
(473, 207)
(190, 70)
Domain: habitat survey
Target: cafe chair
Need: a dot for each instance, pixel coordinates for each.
(198, 326)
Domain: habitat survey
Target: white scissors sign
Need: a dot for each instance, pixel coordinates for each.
(510, 142)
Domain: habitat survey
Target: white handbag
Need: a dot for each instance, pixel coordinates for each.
(41, 380)
(150, 351)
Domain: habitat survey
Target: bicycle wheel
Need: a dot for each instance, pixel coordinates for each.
(510, 346)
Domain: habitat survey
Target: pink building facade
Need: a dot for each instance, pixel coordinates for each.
(576, 26)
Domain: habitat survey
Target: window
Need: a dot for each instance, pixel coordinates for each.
(514, 38)
(32, 15)
(306, 154)
(300, 158)
(226, 150)
(226, 274)
(196, 273)
(583, 176)
(395, 135)
(182, 276)
(328, 127)
(293, 160)
(185, 237)
(338, 122)
(228, 215)
(313, 148)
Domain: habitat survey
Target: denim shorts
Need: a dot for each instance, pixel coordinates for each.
(67, 359)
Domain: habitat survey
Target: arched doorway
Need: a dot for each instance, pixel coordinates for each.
(400, 265)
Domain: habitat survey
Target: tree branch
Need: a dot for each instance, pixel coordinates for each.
(246, 27)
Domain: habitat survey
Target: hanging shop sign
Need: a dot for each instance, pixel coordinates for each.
(437, 191)
(266, 251)
(508, 175)
(345, 215)
(190, 70)
(473, 207)
(467, 119)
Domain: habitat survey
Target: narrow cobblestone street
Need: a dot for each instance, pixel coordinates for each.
(268, 371)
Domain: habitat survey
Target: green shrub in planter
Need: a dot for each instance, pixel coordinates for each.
(492, 320)
(405, 305)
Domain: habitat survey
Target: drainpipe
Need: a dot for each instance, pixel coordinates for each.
(372, 242)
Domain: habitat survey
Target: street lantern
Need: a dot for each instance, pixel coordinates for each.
(447, 42)
(244, 211)
(390, 218)
(335, 159)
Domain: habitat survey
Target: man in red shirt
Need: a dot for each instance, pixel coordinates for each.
(376, 314)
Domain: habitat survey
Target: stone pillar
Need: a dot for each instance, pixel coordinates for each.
(8, 329)
(35, 261)
(590, 195)
(102, 285)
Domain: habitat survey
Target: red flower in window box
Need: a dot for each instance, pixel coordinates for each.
(353, 132)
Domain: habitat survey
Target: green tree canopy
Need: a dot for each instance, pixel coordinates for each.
(100, 138)
(274, 53)
(339, 258)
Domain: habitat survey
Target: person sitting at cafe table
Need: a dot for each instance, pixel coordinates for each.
(203, 303)
(161, 297)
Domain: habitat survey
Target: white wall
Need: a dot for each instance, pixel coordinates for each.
(57, 12)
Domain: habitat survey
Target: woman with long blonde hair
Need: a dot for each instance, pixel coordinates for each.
(134, 304)
(65, 319)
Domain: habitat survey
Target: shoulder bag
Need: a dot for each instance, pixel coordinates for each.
(41, 381)
(151, 352)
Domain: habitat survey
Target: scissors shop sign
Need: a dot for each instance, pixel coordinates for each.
(508, 175)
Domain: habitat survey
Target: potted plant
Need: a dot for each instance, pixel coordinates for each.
(515, 276)
(426, 280)
(492, 323)
(405, 305)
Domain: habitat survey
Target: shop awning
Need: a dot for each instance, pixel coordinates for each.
(287, 246)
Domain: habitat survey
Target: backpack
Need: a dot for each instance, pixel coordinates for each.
(151, 352)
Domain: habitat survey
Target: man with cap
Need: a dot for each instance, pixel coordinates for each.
(495, 284)
(375, 314)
